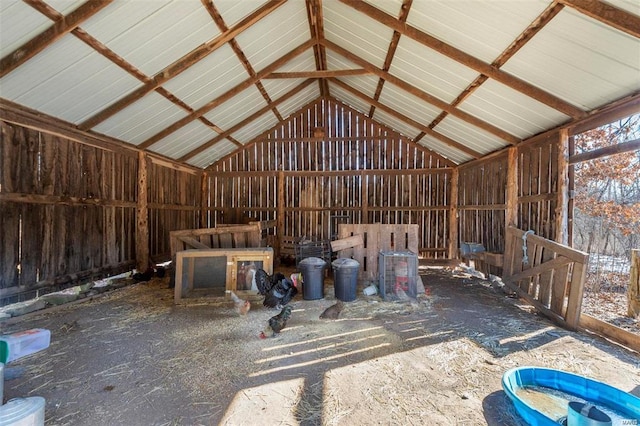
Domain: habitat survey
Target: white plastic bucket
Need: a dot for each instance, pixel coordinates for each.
(23, 412)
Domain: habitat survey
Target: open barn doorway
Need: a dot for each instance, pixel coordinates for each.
(605, 183)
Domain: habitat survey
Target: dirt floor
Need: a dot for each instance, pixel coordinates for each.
(131, 357)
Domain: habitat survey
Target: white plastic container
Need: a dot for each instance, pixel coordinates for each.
(23, 343)
(23, 412)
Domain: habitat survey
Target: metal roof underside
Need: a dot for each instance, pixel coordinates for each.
(196, 80)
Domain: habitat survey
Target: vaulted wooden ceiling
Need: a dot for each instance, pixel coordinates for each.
(196, 80)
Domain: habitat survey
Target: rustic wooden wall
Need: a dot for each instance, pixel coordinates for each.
(336, 166)
(67, 210)
(174, 203)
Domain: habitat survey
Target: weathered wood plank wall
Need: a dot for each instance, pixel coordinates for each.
(67, 210)
(338, 166)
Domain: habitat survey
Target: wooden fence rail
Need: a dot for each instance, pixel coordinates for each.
(547, 274)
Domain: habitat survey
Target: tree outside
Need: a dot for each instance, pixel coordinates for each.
(607, 218)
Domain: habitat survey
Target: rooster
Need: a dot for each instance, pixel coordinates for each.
(241, 306)
(277, 323)
(276, 289)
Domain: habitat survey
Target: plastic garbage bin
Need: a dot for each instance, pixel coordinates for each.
(345, 276)
(312, 269)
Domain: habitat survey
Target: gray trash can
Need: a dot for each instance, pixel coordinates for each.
(312, 269)
(345, 278)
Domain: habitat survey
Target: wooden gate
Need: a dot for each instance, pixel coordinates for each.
(547, 274)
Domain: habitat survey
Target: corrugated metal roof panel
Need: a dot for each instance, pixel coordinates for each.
(392, 7)
(432, 72)
(349, 99)
(275, 35)
(184, 140)
(258, 126)
(510, 110)
(580, 60)
(152, 34)
(481, 28)
(471, 136)
(68, 80)
(233, 11)
(300, 99)
(65, 6)
(365, 84)
(142, 119)
(408, 104)
(445, 150)
(209, 78)
(277, 87)
(237, 108)
(19, 23)
(355, 32)
(213, 154)
(396, 124)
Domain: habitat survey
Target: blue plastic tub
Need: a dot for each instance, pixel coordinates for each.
(563, 387)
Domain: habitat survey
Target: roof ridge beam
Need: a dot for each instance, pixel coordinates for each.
(425, 129)
(181, 65)
(228, 94)
(506, 136)
(607, 14)
(60, 28)
(467, 60)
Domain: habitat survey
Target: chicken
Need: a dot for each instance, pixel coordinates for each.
(241, 306)
(277, 323)
(276, 289)
(144, 276)
(333, 311)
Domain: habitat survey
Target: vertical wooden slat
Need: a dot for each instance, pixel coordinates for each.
(453, 215)
(561, 216)
(576, 289)
(142, 215)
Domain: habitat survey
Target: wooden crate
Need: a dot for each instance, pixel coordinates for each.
(208, 273)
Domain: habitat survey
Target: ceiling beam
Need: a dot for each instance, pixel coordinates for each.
(543, 19)
(391, 51)
(226, 134)
(219, 21)
(181, 65)
(511, 139)
(316, 27)
(318, 74)
(60, 28)
(228, 94)
(467, 60)
(607, 14)
(408, 120)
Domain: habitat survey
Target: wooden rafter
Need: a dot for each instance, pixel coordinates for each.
(60, 27)
(607, 14)
(633, 145)
(393, 46)
(226, 134)
(181, 65)
(390, 78)
(318, 74)
(408, 120)
(467, 60)
(219, 21)
(228, 94)
(316, 27)
(543, 19)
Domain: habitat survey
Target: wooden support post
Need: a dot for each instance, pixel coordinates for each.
(511, 214)
(142, 215)
(280, 214)
(453, 216)
(364, 180)
(562, 202)
(633, 292)
(205, 194)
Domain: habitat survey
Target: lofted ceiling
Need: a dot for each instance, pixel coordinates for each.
(197, 80)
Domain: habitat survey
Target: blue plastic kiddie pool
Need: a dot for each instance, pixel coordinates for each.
(542, 395)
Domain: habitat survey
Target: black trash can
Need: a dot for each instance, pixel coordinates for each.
(312, 269)
(345, 278)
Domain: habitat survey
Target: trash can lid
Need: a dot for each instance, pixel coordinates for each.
(19, 408)
(345, 263)
(312, 261)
